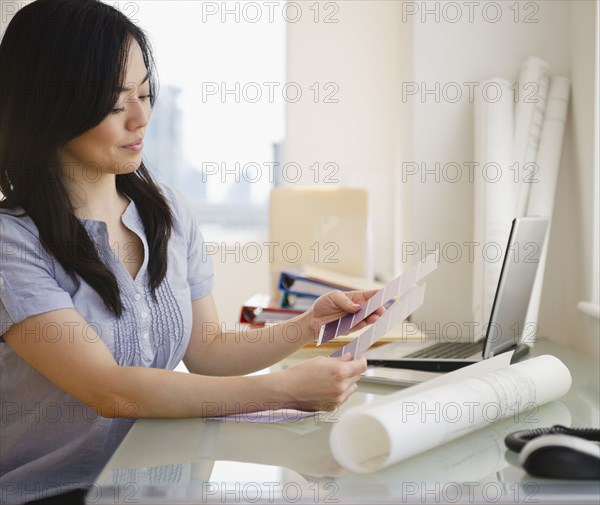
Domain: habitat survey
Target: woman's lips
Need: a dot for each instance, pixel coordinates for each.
(135, 147)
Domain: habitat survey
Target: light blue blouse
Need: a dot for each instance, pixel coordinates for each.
(48, 439)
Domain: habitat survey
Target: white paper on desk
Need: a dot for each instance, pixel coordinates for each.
(409, 422)
(268, 416)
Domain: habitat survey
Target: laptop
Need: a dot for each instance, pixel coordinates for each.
(504, 332)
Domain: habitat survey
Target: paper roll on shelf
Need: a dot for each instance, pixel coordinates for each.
(496, 191)
(541, 198)
(531, 97)
(543, 190)
(412, 421)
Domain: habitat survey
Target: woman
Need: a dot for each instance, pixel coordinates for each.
(104, 287)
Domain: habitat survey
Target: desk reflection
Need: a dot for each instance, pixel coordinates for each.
(186, 452)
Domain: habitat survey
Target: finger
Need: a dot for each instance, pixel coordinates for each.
(380, 311)
(361, 364)
(364, 293)
(342, 301)
(365, 322)
(356, 367)
(359, 326)
(349, 392)
(372, 318)
(361, 296)
(371, 292)
(345, 357)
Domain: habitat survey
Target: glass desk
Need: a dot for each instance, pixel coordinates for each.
(211, 461)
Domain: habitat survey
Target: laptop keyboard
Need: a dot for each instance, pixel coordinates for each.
(448, 350)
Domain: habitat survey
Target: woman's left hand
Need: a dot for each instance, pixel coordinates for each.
(335, 304)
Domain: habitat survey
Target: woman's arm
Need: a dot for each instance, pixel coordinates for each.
(83, 366)
(213, 351)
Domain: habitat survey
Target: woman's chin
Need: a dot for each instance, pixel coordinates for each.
(127, 166)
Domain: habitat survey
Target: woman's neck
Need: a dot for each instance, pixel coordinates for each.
(97, 199)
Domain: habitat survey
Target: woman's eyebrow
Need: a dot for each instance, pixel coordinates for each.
(121, 90)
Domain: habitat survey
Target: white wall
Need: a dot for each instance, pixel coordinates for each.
(463, 52)
(376, 48)
(239, 274)
(569, 277)
(362, 54)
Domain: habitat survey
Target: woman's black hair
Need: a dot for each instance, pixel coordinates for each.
(62, 64)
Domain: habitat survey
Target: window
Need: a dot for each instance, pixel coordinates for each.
(219, 116)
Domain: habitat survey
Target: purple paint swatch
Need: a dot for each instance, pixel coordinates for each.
(395, 288)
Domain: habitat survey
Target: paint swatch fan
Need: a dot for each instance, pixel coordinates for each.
(408, 296)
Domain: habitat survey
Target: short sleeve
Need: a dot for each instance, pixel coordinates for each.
(27, 283)
(200, 268)
(200, 275)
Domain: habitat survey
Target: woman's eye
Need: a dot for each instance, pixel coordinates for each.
(141, 98)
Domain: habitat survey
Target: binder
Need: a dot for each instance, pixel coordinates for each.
(302, 285)
(259, 310)
(296, 302)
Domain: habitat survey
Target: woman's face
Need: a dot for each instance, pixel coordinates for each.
(107, 147)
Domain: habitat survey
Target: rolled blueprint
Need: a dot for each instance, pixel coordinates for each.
(496, 193)
(399, 426)
(472, 458)
(534, 81)
(543, 190)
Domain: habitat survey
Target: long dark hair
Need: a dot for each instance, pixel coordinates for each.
(62, 63)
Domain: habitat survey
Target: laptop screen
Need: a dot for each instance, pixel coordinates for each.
(507, 324)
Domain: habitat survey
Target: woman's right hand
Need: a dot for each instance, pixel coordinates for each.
(320, 383)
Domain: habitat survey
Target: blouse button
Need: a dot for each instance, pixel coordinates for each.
(137, 296)
(144, 315)
(146, 336)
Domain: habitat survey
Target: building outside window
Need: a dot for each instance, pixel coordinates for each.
(219, 116)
